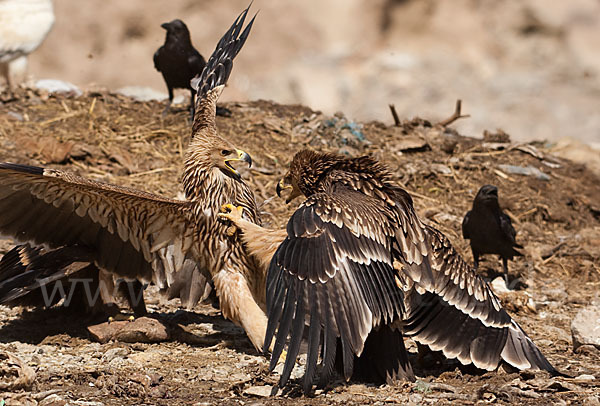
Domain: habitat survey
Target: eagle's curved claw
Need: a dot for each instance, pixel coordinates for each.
(231, 212)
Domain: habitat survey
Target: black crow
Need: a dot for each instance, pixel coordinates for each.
(179, 62)
(490, 229)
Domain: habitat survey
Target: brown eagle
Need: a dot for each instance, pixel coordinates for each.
(359, 270)
(177, 245)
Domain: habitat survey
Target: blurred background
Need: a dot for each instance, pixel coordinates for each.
(530, 67)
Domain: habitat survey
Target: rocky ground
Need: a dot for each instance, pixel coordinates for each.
(49, 357)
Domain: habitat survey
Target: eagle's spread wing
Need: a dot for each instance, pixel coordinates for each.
(135, 235)
(219, 65)
(21, 273)
(461, 316)
(335, 271)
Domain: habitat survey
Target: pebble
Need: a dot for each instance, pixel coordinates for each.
(57, 86)
(260, 391)
(144, 93)
(585, 327)
(114, 353)
(527, 171)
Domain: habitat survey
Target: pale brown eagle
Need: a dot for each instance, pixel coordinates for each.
(358, 270)
(178, 245)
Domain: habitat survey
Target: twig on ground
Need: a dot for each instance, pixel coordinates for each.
(455, 116)
(395, 115)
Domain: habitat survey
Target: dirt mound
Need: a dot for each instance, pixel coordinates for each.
(553, 204)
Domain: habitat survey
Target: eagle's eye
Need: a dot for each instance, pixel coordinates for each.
(225, 152)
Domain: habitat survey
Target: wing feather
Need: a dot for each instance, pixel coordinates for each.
(334, 271)
(125, 228)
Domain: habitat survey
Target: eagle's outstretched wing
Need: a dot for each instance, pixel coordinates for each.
(335, 271)
(219, 65)
(462, 317)
(134, 234)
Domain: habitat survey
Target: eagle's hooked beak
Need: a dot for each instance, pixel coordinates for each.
(240, 156)
(283, 185)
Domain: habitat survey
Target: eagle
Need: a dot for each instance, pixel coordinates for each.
(358, 270)
(24, 24)
(489, 229)
(179, 245)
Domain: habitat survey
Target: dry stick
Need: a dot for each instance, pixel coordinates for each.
(455, 116)
(395, 115)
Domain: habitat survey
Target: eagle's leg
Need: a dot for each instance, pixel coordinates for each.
(239, 305)
(134, 293)
(5, 71)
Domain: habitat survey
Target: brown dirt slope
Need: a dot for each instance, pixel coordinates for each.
(115, 139)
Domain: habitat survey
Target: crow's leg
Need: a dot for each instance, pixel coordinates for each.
(505, 268)
(166, 110)
(476, 259)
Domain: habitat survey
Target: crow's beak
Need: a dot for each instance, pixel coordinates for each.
(165, 26)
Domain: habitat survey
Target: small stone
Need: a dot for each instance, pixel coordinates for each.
(260, 391)
(15, 115)
(585, 327)
(526, 171)
(58, 86)
(585, 377)
(142, 93)
(113, 353)
(411, 143)
(144, 329)
(441, 168)
(499, 285)
(52, 400)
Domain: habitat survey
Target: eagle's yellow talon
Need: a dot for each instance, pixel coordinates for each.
(111, 319)
(282, 357)
(131, 318)
(227, 208)
(231, 212)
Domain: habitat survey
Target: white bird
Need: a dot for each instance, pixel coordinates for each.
(23, 26)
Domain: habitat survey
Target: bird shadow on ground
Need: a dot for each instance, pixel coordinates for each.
(426, 367)
(41, 326)
(34, 326)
